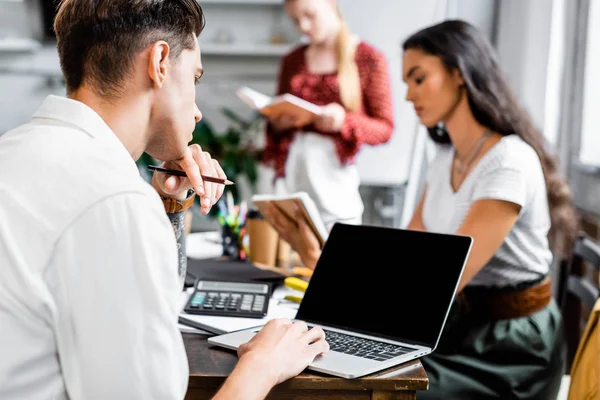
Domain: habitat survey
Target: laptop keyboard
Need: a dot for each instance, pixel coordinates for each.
(364, 348)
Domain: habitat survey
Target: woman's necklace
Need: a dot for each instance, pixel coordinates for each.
(461, 166)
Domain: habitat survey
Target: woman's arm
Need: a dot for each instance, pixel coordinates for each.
(488, 222)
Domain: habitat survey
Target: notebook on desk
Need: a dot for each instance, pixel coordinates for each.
(380, 298)
(217, 269)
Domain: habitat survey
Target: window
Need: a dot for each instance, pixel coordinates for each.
(590, 124)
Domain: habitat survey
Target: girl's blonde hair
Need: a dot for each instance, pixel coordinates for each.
(348, 78)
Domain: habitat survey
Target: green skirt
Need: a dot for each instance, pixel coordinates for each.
(521, 358)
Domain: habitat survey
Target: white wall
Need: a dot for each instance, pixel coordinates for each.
(523, 44)
(480, 13)
(590, 135)
(20, 18)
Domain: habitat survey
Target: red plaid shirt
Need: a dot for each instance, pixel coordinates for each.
(372, 124)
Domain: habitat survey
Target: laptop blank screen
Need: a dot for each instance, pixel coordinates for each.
(391, 283)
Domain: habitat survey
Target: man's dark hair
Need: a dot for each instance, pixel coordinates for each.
(99, 39)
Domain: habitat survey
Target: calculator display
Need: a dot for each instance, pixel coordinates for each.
(233, 287)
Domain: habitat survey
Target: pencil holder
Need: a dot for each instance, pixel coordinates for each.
(231, 240)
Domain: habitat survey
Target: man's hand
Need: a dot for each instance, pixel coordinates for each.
(283, 349)
(297, 233)
(332, 118)
(194, 163)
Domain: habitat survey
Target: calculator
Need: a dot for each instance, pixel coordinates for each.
(229, 299)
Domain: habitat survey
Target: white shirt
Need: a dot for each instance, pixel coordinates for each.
(88, 266)
(510, 171)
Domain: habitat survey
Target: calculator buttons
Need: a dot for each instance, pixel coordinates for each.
(246, 302)
(259, 302)
(197, 300)
(219, 300)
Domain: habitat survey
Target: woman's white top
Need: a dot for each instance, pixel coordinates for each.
(510, 171)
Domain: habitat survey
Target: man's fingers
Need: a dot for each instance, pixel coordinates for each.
(172, 184)
(319, 347)
(189, 165)
(314, 335)
(221, 174)
(300, 326)
(282, 322)
(205, 167)
(211, 171)
(277, 324)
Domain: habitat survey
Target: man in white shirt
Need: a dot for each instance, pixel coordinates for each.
(88, 258)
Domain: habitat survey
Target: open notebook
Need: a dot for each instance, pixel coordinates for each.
(285, 104)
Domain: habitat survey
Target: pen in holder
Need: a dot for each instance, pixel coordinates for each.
(231, 240)
(232, 219)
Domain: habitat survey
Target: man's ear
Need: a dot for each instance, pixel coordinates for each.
(158, 63)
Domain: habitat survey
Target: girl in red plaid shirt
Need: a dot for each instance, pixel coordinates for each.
(350, 80)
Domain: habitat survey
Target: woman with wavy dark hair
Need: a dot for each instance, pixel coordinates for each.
(493, 180)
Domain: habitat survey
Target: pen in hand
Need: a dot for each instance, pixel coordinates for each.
(177, 172)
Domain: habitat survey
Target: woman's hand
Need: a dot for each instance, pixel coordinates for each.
(297, 233)
(332, 118)
(283, 122)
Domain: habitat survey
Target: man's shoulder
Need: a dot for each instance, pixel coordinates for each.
(59, 171)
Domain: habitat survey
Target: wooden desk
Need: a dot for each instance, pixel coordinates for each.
(210, 366)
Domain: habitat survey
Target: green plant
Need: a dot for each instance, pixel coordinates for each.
(234, 148)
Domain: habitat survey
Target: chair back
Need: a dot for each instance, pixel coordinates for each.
(580, 290)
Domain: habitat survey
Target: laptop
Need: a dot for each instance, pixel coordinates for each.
(381, 295)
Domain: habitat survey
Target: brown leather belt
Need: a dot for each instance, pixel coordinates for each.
(508, 304)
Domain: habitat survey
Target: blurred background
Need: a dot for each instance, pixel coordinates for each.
(549, 48)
